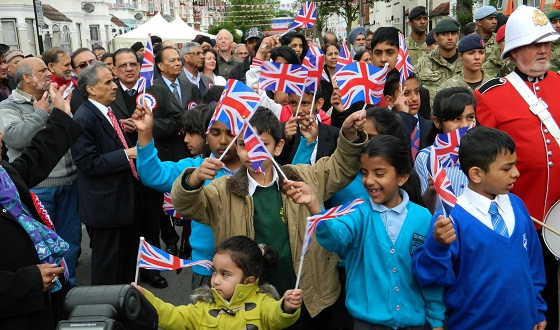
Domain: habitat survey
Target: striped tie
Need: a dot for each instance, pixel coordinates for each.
(415, 142)
(120, 134)
(497, 220)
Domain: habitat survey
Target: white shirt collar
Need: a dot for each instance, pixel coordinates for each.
(482, 203)
(104, 109)
(126, 88)
(254, 184)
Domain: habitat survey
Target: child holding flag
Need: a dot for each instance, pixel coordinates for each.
(377, 241)
(251, 203)
(486, 254)
(453, 108)
(236, 300)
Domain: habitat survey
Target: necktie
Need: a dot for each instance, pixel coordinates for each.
(131, 92)
(497, 220)
(119, 131)
(415, 142)
(201, 86)
(176, 92)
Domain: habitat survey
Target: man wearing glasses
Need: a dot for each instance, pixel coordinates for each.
(193, 60)
(80, 59)
(241, 51)
(167, 115)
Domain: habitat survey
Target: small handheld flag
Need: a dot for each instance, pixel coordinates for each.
(288, 78)
(255, 148)
(404, 63)
(360, 82)
(344, 57)
(313, 221)
(314, 66)
(306, 17)
(168, 207)
(147, 69)
(150, 257)
(238, 101)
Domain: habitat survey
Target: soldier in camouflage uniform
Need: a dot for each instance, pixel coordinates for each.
(416, 41)
(472, 54)
(443, 62)
(494, 63)
(554, 18)
(486, 21)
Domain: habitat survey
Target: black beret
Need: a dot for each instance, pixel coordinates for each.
(417, 11)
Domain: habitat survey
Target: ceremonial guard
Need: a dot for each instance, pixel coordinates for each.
(525, 105)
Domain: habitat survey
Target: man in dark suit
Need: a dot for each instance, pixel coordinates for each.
(168, 64)
(108, 187)
(193, 60)
(168, 142)
(81, 58)
(186, 95)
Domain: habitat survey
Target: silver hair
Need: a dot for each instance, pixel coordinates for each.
(227, 32)
(89, 77)
(25, 68)
(187, 48)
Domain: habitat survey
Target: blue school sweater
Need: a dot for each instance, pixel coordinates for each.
(380, 288)
(160, 176)
(491, 282)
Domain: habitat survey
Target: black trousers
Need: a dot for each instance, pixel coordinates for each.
(148, 210)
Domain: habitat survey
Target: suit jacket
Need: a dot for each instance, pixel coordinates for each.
(24, 305)
(205, 80)
(76, 100)
(326, 143)
(106, 189)
(189, 92)
(167, 116)
(409, 122)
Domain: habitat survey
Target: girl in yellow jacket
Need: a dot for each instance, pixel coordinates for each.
(236, 300)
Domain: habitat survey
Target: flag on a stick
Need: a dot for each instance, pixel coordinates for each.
(256, 151)
(153, 258)
(147, 68)
(360, 82)
(404, 63)
(288, 78)
(306, 17)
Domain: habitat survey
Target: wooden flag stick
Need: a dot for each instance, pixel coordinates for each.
(138, 260)
(544, 225)
(305, 238)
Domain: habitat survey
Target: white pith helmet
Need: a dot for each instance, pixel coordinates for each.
(525, 26)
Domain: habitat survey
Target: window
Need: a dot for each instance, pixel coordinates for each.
(532, 3)
(10, 33)
(65, 39)
(108, 34)
(94, 33)
(31, 36)
(79, 28)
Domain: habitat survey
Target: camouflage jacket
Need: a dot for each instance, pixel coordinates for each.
(493, 52)
(415, 49)
(555, 52)
(459, 81)
(432, 70)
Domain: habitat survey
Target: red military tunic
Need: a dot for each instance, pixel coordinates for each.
(499, 105)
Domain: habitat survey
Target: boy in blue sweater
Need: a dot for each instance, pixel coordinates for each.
(486, 254)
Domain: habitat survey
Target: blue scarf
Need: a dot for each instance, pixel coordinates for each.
(49, 246)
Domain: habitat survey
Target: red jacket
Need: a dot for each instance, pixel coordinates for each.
(499, 105)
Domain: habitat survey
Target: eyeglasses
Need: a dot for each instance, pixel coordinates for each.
(196, 53)
(85, 64)
(244, 53)
(124, 65)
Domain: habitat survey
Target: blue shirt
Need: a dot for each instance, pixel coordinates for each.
(169, 82)
(393, 219)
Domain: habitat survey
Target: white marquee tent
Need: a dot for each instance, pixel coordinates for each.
(177, 31)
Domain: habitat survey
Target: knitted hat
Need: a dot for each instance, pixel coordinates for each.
(13, 53)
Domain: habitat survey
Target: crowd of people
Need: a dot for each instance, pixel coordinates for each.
(79, 148)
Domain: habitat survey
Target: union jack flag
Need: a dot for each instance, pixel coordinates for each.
(404, 63)
(446, 146)
(344, 57)
(168, 207)
(315, 51)
(288, 78)
(238, 101)
(306, 17)
(256, 150)
(331, 213)
(147, 69)
(445, 153)
(314, 66)
(153, 258)
(360, 82)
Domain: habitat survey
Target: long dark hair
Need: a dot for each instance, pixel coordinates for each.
(253, 259)
(396, 152)
(449, 103)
